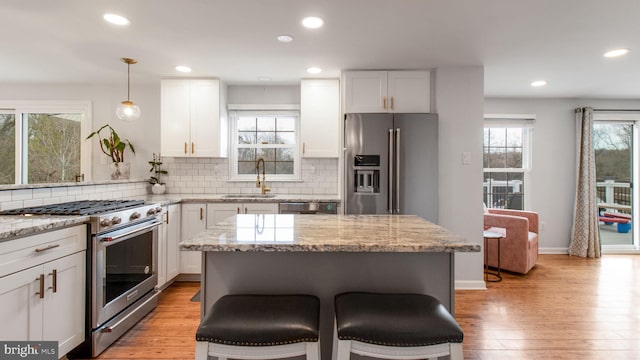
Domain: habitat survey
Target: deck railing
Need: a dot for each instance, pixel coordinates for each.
(612, 192)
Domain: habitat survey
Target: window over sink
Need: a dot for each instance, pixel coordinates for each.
(271, 135)
(42, 142)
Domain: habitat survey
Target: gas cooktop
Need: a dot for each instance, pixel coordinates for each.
(83, 207)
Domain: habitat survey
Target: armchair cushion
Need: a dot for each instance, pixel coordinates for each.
(519, 246)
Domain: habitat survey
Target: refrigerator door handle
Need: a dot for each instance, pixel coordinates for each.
(390, 174)
(397, 152)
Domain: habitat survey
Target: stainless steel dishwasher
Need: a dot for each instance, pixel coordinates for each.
(308, 208)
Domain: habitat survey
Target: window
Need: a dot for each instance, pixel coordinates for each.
(506, 163)
(271, 135)
(43, 142)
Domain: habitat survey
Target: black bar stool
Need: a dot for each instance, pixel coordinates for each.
(395, 326)
(260, 327)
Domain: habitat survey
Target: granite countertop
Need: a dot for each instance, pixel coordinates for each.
(328, 233)
(167, 199)
(13, 226)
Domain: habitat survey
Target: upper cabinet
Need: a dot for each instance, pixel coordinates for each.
(320, 118)
(193, 118)
(387, 91)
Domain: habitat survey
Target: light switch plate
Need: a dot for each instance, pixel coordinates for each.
(466, 158)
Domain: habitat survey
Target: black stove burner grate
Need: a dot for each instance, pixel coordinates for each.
(83, 207)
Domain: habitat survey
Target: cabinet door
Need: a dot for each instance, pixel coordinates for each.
(193, 221)
(173, 217)
(261, 208)
(409, 91)
(366, 92)
(175, 117)
(205, 118)
(64, 301)
(21, 310)
(162, 250)
(320, 118)
(218, 212)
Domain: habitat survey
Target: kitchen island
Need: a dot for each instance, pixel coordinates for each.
(324, 255)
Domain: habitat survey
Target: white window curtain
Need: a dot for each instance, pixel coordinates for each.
(585, 234)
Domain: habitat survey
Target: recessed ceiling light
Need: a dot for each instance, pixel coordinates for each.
(312, 22)
(183, 68)
(264, 78)
(285, 38)
(116, 19)
(616, 53)
(314, 70)
(539, 83)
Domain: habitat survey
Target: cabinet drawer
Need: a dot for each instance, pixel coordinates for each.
(23, 253)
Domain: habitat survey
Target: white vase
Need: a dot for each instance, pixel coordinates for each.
(120, 170)
(158, 189)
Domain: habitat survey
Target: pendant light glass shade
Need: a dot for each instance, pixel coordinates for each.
(127, 110)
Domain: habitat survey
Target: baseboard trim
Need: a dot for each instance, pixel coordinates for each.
(470, 285)
(563, 251)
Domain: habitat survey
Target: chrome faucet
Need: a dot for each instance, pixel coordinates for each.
(263, 184)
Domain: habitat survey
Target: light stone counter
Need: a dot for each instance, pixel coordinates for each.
(325, 255)
(13, 226)
(328, 233)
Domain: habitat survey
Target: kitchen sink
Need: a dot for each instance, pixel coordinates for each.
(249, 196)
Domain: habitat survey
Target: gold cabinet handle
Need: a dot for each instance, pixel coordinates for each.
(185, 148)
(384, 102)
(193, 148)
(54, 284)
(201, 213)
(245, 210)
(303, 148)
(167, 214)
(238, 211)
(391, 103)
(41, 292)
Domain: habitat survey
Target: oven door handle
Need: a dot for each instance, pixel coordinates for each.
(115, 239)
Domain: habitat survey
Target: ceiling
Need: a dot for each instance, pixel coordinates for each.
(517, 41)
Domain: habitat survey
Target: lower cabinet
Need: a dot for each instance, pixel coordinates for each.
(194, 220)
(168, 241)
(217, 212)
(45, 302)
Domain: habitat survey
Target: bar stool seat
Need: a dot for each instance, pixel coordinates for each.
(398, 326)
(260, 327)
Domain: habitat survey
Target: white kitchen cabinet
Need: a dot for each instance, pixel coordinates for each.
(45, 301)
(217, 212)
(194, 220)
(193, 121)
(387, 91)
(320, 118)
(168, 241)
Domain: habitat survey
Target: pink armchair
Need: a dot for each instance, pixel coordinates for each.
(519, 247)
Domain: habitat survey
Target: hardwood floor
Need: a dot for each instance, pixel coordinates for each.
(565, 308)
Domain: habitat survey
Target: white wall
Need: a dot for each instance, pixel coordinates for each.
(459, 103)
(554, 160)
(143, 134)
(237, 94)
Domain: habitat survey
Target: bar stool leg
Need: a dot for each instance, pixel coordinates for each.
(456, 351)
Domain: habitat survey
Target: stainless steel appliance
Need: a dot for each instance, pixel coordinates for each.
(122, 252)
(391, 164)
(308, 208)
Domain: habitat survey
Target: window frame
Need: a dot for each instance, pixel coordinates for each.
(520, 121)
(21, 107)
(234, 115)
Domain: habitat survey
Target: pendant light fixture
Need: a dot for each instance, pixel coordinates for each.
(127, 110)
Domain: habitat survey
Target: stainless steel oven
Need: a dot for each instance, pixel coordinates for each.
(124, 267)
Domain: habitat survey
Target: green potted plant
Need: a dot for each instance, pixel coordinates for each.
(114, 147)
(158, 187)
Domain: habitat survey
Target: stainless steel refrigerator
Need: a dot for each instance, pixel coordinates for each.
(391, 164)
